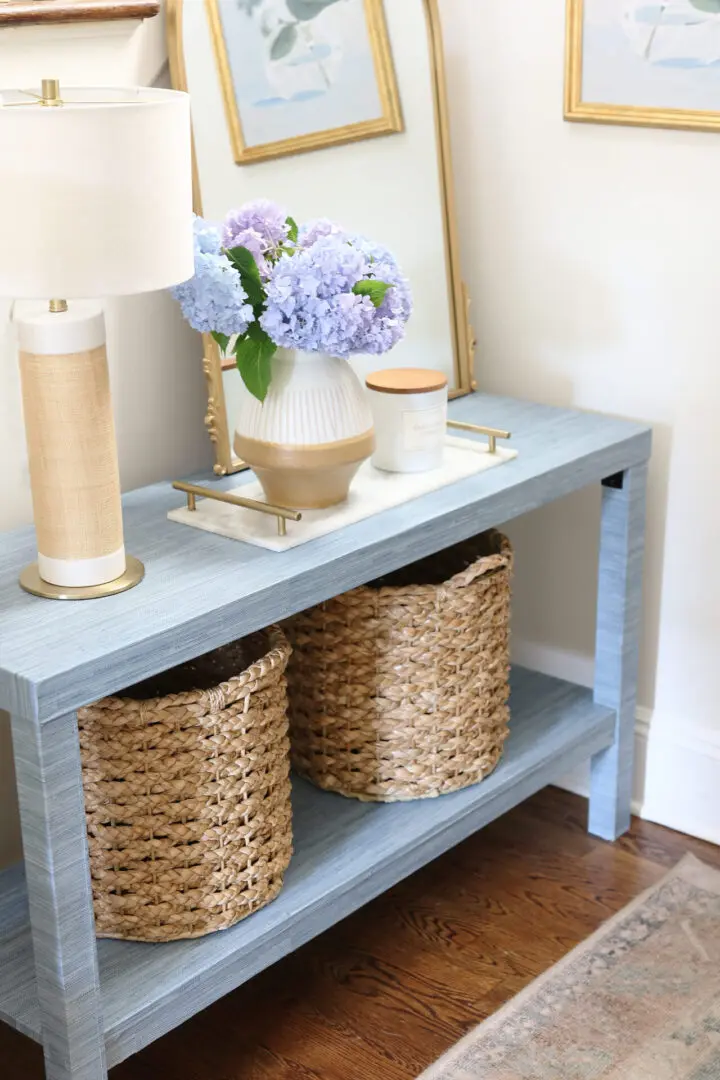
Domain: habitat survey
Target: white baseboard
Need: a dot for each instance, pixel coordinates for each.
(563, 664)
(677, 763)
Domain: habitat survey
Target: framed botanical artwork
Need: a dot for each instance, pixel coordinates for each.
(299, 75)
(644, 62)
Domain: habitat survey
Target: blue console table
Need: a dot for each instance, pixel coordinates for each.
(91, 1004)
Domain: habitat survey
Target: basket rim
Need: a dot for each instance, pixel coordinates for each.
(275, 658)
(483, 567)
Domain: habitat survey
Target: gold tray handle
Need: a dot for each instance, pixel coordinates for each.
(492, 433)
(282, 513)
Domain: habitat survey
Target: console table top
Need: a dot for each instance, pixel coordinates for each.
(201, 590)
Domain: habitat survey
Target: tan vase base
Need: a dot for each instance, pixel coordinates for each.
(306, 477)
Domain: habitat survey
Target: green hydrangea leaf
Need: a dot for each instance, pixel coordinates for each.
(712, 6)
(222, 339)
(376, 290)
(244, 262)
(292, 229)
(253, 355)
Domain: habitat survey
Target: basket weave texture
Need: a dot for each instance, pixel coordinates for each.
(399, 689)
(187, 794)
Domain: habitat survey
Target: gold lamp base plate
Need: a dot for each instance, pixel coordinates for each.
(31, 582)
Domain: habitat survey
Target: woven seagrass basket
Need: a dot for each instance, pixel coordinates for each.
(187, 793)
(399, 689)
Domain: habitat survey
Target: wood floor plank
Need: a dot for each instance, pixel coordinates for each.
(385, 992)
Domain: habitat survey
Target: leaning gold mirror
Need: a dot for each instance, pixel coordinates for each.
(333, 108)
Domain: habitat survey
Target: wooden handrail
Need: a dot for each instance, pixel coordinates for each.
(26, 12)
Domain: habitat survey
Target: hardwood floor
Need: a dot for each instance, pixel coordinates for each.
(388, 990)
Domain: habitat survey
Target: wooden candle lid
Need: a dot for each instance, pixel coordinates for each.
(406, 381)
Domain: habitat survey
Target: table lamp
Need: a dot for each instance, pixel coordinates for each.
(95, 201)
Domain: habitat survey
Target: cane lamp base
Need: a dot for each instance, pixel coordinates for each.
(31, 582)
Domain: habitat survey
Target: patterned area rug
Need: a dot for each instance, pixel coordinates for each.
(639, 1000)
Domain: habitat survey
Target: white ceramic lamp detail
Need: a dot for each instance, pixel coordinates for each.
(309, 437)
(97, 196)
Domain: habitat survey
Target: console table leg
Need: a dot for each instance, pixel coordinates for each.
(616, 649)
(52, 812)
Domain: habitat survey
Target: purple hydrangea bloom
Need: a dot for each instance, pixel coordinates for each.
(310, 302)
(214, 298)
(266, 218)
(257, 247)
(315, 230)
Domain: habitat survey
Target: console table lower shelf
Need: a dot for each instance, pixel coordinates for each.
(346, 853)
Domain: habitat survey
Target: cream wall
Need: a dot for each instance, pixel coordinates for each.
(592, 257)
(592, 254)
(158, 386)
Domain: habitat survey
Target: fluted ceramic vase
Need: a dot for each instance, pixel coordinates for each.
(308, 438)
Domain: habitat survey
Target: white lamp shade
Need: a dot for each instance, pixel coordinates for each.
(95, 194)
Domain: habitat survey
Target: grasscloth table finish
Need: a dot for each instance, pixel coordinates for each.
(202, 591)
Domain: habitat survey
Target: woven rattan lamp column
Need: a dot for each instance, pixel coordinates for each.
(96, 197)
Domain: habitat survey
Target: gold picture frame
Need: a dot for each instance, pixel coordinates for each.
(463, 336)
(601, 113)
(390, 123)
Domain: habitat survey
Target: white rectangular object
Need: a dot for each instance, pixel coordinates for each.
(371, 492)
(97, 192)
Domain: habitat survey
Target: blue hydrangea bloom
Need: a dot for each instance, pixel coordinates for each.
(214, 298)
(386, 325)
(310, 302)
(206, 237)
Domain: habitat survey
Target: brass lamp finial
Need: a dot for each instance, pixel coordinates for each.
(51, 92)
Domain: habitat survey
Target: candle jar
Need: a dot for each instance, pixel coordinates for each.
(410, 414)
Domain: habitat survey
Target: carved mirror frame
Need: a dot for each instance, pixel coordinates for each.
(462, 333)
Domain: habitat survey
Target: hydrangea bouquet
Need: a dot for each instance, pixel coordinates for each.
(261, 282)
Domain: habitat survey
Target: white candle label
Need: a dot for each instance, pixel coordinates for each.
(424, 429)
